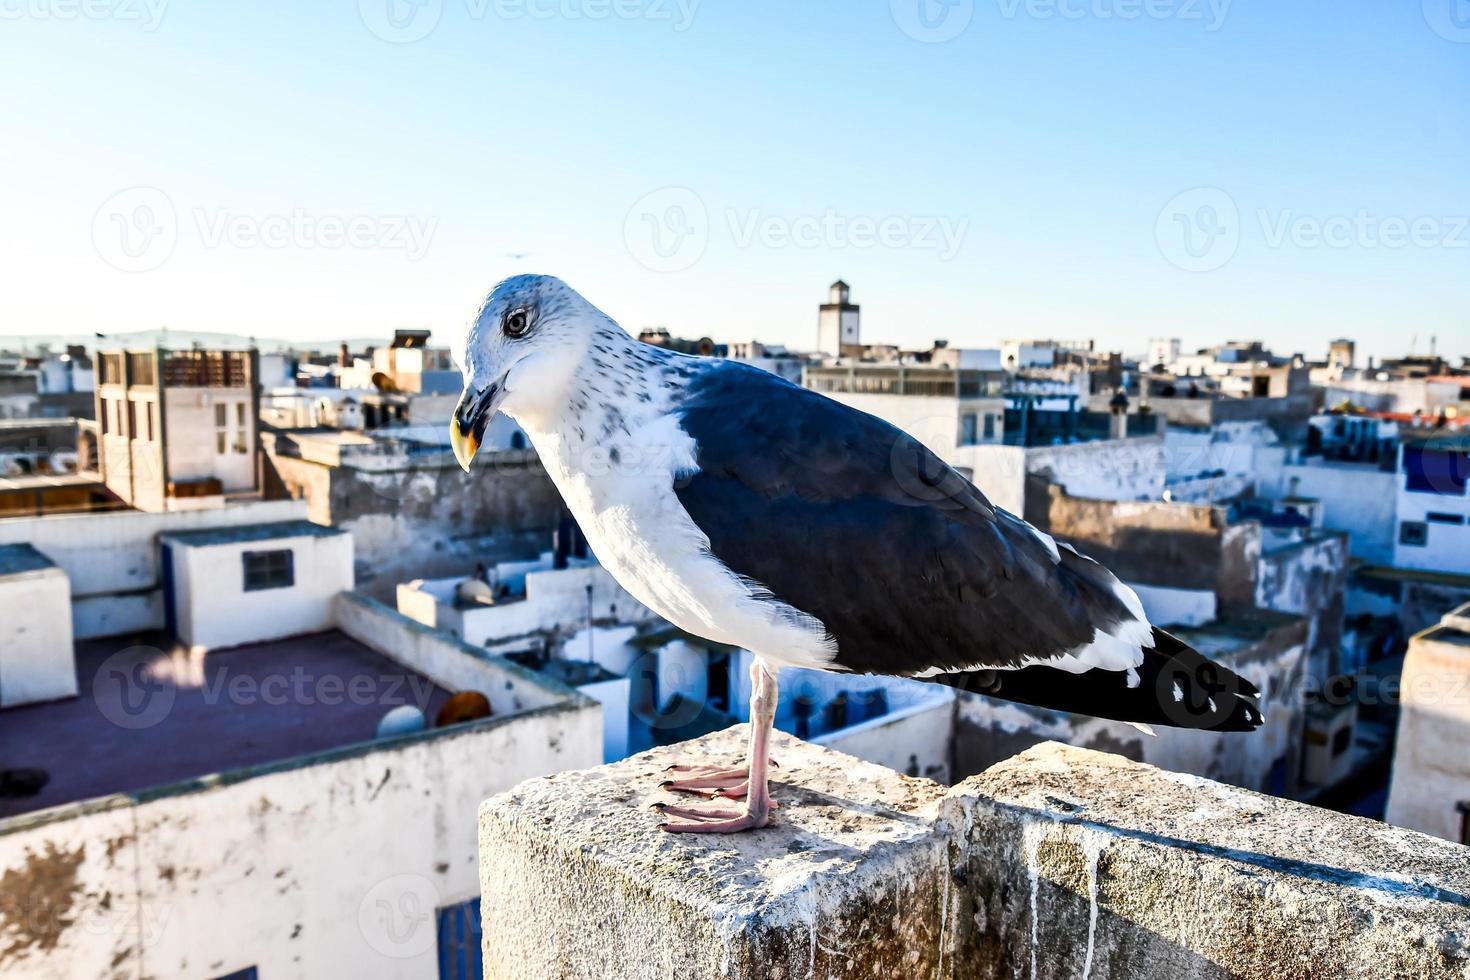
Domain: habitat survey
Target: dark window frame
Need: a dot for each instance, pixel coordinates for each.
(1410, 530)
(969, 429)
(264, 570)
(1429, 469)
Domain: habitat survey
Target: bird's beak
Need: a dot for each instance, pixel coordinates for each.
(467, 428)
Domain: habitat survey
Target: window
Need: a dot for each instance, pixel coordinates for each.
(967, 430)
(246, 974)
(240, 446)
(221, 429)
(106, 415)
(132, 419)
(1414, 533)
(140, 369)
(1435, 471)
(459, 941)
(989, 427)
(1440, 517)
(269, 570)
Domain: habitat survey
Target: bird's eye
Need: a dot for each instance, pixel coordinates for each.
(516, 323)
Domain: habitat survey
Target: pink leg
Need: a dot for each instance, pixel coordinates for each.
(758, 801)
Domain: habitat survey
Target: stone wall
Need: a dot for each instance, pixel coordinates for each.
(415, 516)
(1058, 863)
(1182, 546)
(1108, 469)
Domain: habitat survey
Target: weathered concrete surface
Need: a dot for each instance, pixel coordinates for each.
(1082, 864)
(851, 881)
(1058, 864)
(1309, 578)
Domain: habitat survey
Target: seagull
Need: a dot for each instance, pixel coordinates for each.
(756, 513)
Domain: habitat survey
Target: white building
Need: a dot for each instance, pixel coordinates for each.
(1433, 506)
(1162, 350)
(224, 587)
(35, 631)
(177, 430)
(1018, 355)
(1430, 791)
(945, 409)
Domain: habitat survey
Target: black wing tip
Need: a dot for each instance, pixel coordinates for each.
(1202, 693)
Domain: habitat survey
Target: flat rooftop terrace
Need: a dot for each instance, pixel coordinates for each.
(147, 716)
(45, 481)
(1234, 631)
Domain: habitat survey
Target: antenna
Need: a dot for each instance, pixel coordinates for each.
(591, 652)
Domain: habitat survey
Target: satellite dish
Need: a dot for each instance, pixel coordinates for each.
(382, 382)
(402, 720)
(472, 591)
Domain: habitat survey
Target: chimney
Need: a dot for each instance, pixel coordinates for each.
(344, 356)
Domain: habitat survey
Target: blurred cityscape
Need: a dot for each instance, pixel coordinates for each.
(266, 647)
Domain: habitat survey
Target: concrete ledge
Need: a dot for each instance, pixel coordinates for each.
(1057, 863)
(577, 881)
(1083, 864)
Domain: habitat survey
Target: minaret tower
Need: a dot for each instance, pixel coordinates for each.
(837, 322)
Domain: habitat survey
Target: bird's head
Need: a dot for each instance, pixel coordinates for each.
(520, 355)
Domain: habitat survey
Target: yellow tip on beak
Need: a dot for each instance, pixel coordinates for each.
(465, 445)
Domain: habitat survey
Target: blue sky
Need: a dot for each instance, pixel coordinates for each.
(1034, 175)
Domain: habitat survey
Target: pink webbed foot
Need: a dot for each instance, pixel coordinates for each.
(713, 783)
(710, 781)
(700, 819)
